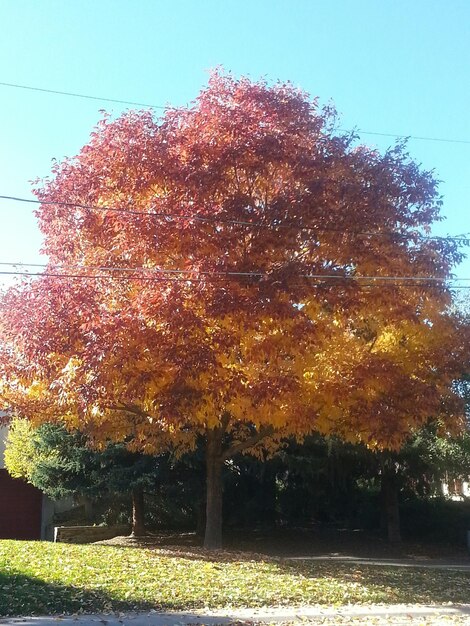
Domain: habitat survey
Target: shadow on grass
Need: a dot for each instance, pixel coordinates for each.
(323, 582)
(27, 595)
(235, 579)
(321, 540)
(391, 585)
(282, 543)
(171, 546)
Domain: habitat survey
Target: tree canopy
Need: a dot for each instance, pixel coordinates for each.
(236, 270)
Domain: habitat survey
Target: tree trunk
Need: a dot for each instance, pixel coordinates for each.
(390, 508)
(88, 508)
(214, 489)
(138, 522)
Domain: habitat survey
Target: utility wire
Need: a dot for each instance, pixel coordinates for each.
(81, 95)
(194, 280)
(199, 275)
(416, 137)
(156, 106)
(95, 276)
(464, 239)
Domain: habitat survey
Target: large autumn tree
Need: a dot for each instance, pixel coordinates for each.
(223, 272)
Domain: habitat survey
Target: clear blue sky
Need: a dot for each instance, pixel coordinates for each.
(394, 67)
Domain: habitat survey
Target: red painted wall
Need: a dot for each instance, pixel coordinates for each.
(20, 509)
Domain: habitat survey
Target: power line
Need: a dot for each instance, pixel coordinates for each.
(462, 239)
(81, 95)
(95, 276)
(156, 106)
(416, 137)
(194, 280)
(200, 274)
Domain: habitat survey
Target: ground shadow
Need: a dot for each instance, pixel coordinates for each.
(387, 584)
(26, 595)
(186, 546)
(271, 581)
(28, 600)
(379, 583)
(289, 542)
(323, 540)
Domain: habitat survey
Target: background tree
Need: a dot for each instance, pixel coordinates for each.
(242, 234)
(426, 461)
(61, 463)
(324, 481)
(20, 452)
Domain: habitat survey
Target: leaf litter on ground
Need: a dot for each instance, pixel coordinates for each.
(46, 578)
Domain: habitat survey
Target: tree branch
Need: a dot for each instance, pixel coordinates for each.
(130, 408)
(248, 443)
(224, 421)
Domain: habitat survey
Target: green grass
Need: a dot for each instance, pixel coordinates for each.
(40, 578)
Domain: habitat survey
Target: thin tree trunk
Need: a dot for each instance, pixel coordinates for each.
(214, 489)
(88, 508)
(138, 521)
(390, 508)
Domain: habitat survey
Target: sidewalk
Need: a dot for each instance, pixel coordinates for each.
(354, 614)
(458, 565)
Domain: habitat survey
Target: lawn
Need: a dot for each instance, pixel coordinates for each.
(39, 578)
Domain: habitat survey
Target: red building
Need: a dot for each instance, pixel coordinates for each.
(25, 513)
